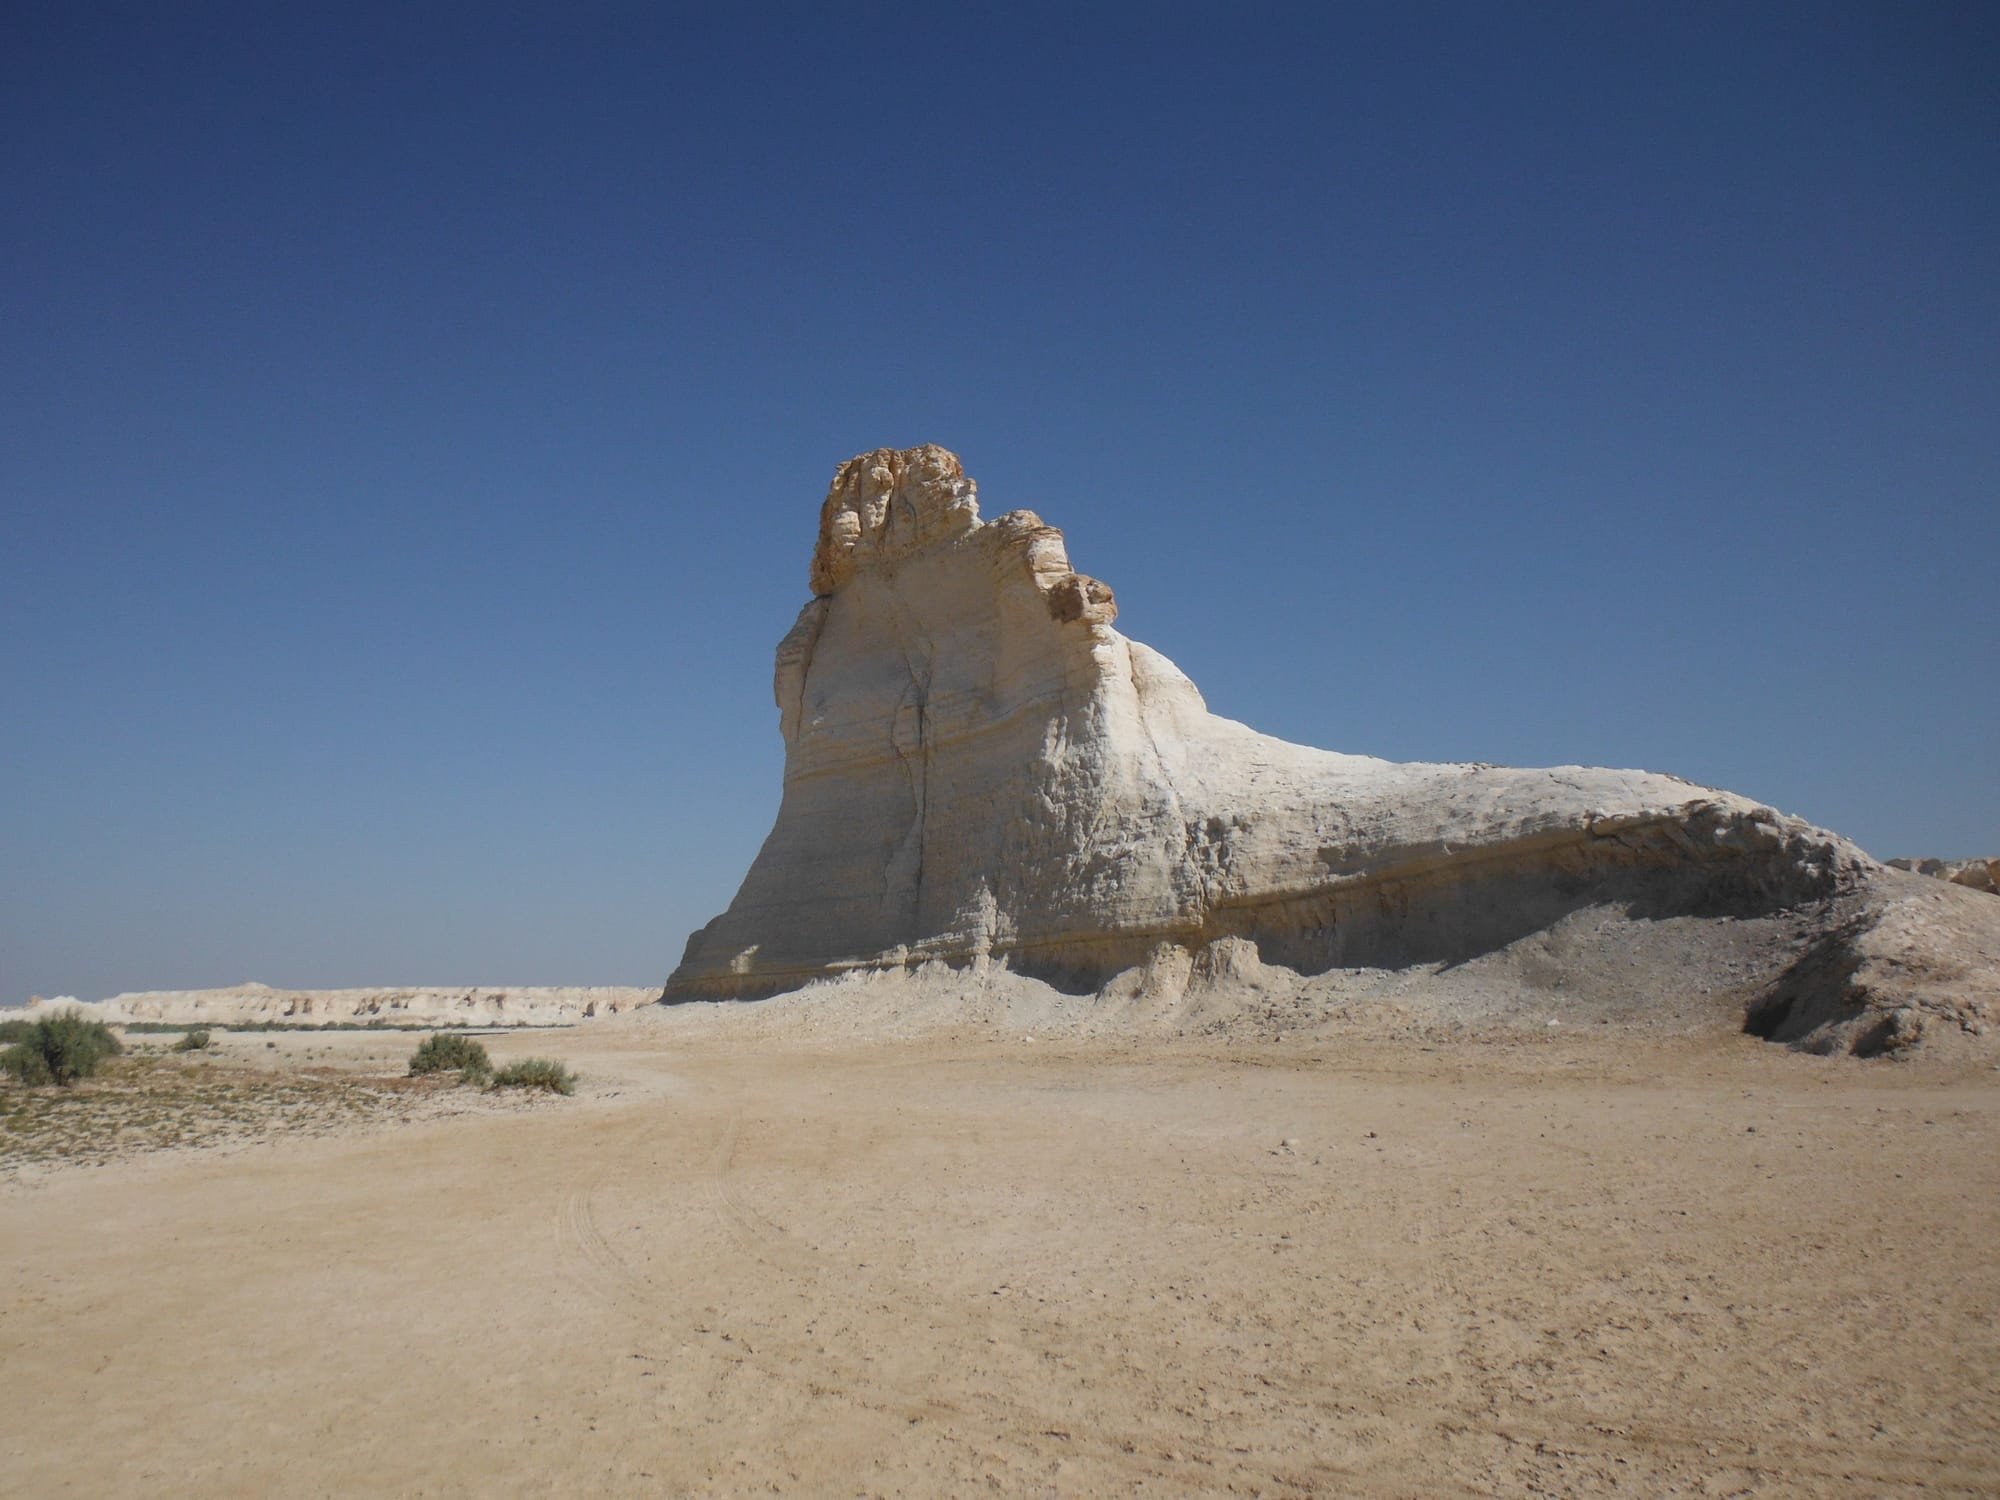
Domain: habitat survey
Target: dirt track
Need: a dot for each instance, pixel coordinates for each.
(957, 1265)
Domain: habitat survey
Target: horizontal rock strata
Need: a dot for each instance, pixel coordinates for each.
(980, 769)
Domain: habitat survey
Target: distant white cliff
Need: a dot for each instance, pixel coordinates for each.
(428, 1005)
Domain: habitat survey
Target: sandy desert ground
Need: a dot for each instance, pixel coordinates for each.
(751, 1257)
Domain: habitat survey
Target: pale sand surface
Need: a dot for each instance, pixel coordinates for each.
(744, 1259)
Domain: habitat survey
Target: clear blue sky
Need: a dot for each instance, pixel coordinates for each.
(413, 420)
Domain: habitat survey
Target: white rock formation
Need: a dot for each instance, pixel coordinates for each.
(477, 1005)
(979, 768)
(1974, 874)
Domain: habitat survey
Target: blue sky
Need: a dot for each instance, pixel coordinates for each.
(413, 421)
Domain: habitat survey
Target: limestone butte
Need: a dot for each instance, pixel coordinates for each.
(980, 768)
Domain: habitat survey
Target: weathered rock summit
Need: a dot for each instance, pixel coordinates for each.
(981, 770)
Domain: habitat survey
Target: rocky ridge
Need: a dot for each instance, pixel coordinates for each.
(981, 770)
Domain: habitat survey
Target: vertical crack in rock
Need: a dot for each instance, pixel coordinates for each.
(903, 878)
(1054, 795)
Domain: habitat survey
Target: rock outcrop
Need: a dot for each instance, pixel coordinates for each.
(1974, 874)
(478, 1005)
(980, 769)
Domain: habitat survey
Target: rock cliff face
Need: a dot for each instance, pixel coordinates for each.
(980, 768)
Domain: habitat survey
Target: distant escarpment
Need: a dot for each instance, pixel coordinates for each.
(1974, 874)
(980, 769)
(441, 1005)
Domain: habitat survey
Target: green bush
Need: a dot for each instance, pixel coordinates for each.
(197, 1040)
(25, 1064)
(16, 1031)
(441, 1053)
(536, 1073)
(60, 1049)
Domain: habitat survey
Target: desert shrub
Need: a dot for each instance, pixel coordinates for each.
(197, 1040)
(536, 1073)
(25, 1064)
(60, 1049)
(441, 1053)
(16, 1031)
